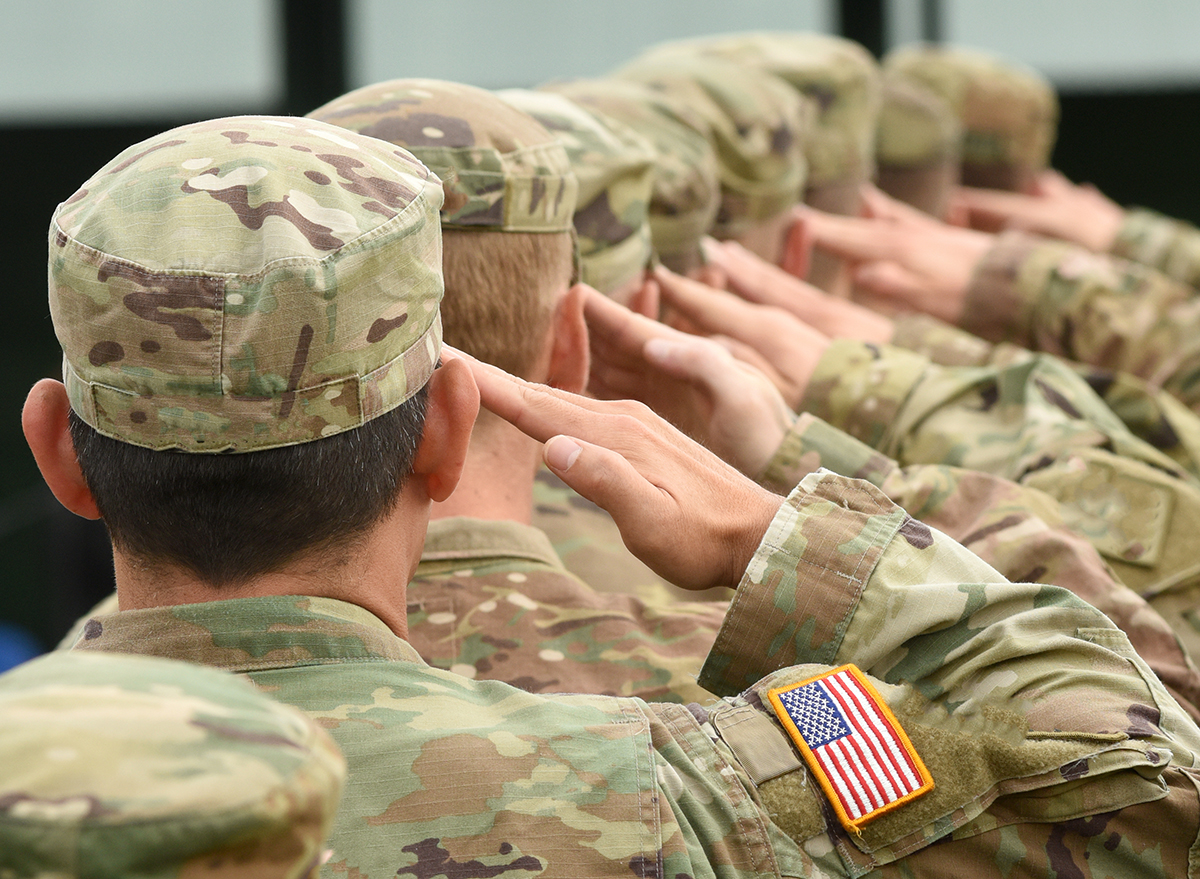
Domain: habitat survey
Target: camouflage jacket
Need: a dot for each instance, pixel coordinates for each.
(1090, 308)
(1151, 413)
(1016, 529)
(1049, 741)
(1038, 423)
(1161, 242)
(492, 600)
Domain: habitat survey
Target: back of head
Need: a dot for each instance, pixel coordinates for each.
(1009, 113)
(840, 77)
(127, 767)
(614, 166)
(261, 285)
(509, 198)
(686, 190)
(756, 123)
(918, 146)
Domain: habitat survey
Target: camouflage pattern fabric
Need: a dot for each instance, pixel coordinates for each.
(686, 189)
(615, 169)
(1039, 423)
(918, 146)
(1090, 308)
(492, 601)
(756, 123)
(124, 767)
(1150, 413)
(501, 170)
(1018, 530)
(839, 75)
(311, 311)
(1009, 112)
(1046, 733)
(1161, 242)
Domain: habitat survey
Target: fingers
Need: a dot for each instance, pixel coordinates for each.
(537, 411)
(878, 205)
(696, 360)
(708, 309)
(852, 238)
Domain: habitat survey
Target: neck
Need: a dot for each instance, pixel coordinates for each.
(371, 570)
(497, 480)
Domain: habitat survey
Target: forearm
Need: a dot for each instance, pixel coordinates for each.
(1161, 242)
(1093, 309)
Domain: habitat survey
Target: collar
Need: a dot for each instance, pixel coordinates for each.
(460, 538)
(250, 634)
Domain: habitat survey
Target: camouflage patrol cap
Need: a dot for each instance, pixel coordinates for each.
(614, 166)
(838, 74)
(129, 767)
(686, 189)
(1009, 112)
(917, 146)
(756, 123)
(501, 169)
(246, 283)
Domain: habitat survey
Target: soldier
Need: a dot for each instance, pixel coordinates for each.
(490, 585)
(125, 766)
(280, 307)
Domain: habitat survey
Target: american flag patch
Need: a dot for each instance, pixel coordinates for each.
(852, 743)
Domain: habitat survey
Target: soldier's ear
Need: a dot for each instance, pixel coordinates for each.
(44, 421)
(449, 416)
(570, 356)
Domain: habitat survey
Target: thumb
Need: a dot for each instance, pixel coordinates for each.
(608, 480)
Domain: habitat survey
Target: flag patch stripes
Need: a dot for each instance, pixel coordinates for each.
(853, 744)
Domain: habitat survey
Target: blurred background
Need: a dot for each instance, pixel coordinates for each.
(80, 80)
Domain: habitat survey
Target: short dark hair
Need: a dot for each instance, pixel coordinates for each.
(231, 517)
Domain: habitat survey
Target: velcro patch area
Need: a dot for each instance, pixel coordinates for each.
(853, 744)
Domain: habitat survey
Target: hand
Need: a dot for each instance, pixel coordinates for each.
(693, 382)
(1056, 207)
(757, 280)
(904, 258)
(789, 347)
(682, 510)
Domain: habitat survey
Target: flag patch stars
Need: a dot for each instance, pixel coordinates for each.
(852, 743)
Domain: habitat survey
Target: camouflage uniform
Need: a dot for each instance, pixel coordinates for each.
(757, 124)
(1009, 112)
(122, 767)
(589, 785)
(918, 146)
(685, 195)
(1050, 741)
(1090, 308)
(1037, 422)
(842, 80)
(1161, 242)
(1150, 413)
(614, 166)
(492, 600)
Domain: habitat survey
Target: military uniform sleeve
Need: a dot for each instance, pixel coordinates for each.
(1161, 242)
(1090, 308)
(1016, 529)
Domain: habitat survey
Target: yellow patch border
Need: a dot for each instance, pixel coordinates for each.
(815, 767)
